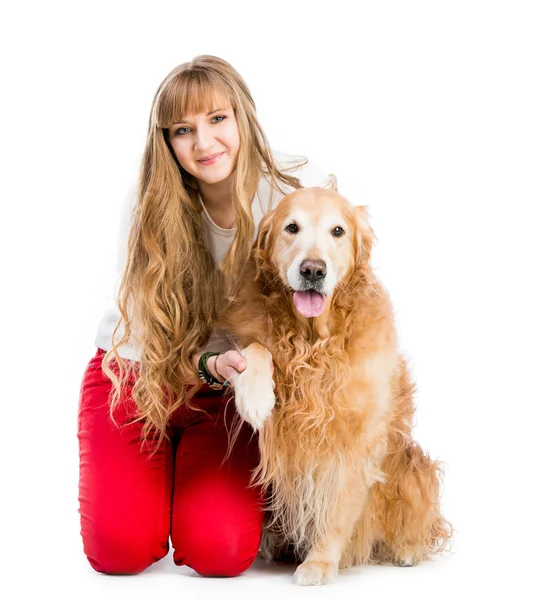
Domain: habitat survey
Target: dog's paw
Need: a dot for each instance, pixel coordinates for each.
(313, 572)
(254, 390)
(408, 559)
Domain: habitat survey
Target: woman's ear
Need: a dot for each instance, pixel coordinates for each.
(365, 237)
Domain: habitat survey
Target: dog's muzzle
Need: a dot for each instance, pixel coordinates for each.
(309, 298)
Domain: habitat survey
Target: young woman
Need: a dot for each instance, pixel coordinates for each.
(153, 434)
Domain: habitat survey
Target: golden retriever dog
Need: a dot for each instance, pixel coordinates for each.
(347, 484)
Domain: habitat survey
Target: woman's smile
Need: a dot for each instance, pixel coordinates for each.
(211, 159)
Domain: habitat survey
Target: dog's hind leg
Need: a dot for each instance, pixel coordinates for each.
(273, 550)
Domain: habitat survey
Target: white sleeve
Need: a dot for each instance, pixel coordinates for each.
(312, 176)
(107, 325)
(309, 174)
(126, 213)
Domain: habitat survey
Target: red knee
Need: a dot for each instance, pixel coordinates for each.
(218, 552)
(115, 552)
(218, 542)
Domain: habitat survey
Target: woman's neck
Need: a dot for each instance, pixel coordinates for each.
(217, 198)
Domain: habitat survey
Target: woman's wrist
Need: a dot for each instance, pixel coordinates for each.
(212, 366)
(210, 363)
(208, 371)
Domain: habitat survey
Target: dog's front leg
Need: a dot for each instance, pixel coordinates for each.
(254, 386)
(350, 490)
(321, 564)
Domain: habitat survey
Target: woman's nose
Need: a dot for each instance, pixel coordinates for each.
(204, 137)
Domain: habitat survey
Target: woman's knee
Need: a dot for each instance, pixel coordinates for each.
(220, 560)
(114, 553)
(218, 551)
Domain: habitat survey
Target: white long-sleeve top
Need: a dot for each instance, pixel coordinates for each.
(218, 241)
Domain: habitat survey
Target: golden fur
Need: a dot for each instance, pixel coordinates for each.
(347, 483)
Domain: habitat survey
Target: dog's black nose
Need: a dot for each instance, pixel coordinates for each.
(313, 270)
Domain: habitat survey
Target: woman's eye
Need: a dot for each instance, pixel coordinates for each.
(221, 117)
(292, 228)
(182, 130)
(338, 231)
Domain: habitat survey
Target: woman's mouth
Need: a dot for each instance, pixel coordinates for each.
(211, 159)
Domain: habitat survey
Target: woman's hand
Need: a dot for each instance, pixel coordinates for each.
(228, 365)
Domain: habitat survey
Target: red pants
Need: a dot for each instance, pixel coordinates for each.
(131, 503)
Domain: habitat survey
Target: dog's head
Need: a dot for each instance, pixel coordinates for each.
(311, 242)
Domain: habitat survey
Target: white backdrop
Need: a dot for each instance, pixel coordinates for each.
(439, 115)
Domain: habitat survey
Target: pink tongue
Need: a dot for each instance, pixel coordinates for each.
(310, 304)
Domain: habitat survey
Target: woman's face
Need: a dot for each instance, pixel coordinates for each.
(207, 145)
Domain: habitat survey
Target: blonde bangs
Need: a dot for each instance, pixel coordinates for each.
(192, 92)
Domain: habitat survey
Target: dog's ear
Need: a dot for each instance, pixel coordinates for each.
(365, 237)
(263, 241)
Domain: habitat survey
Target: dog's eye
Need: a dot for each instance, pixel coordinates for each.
(292, 228)
(338, 231)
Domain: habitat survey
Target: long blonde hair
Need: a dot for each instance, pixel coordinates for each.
(171, 291)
